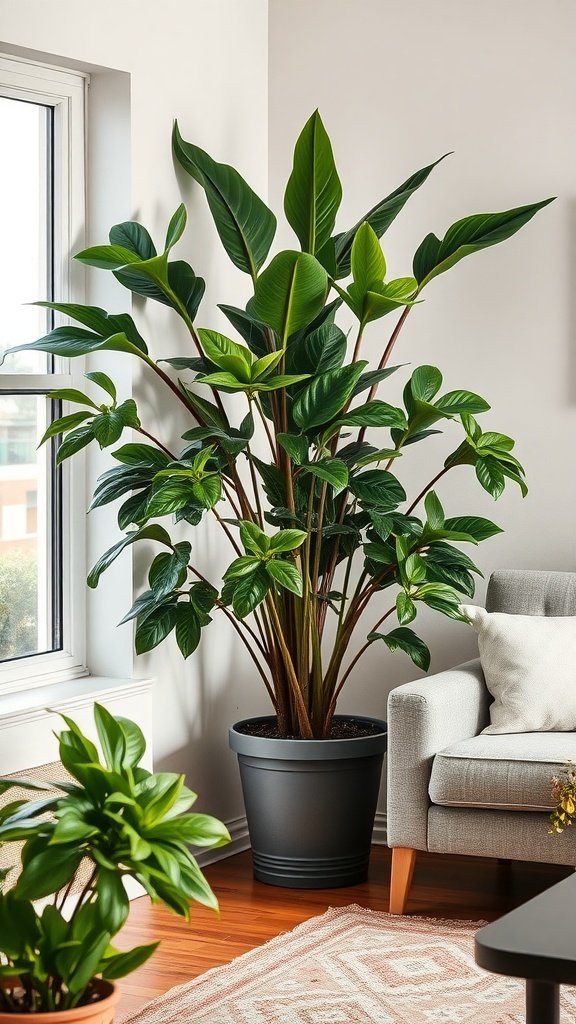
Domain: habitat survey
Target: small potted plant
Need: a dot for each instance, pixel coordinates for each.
(116, 820)
(319, 526)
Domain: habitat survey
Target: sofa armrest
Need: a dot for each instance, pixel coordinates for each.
(424, 717)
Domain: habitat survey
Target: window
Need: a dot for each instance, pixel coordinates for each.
(42, 217)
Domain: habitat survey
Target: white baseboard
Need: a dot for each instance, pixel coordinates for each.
(380, 833)
(238, 829)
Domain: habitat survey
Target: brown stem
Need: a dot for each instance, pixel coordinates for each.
(303, 719)
(273, 448)
(353, 663)
(146, 433)
(428, 487)
(230, 615)
(228, 533)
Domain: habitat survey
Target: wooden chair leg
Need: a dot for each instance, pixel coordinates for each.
(403, 860)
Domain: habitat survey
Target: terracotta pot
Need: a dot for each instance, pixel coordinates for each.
(101, 1012)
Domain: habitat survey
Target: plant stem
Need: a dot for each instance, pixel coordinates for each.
(354, 662)
(228, 533)
(428, 487)
(158, 443)
(273, 448)
(303, 718)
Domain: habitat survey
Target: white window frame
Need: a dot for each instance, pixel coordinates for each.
(65, 91)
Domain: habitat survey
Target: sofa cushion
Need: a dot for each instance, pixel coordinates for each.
(528, 662)
(504, 772)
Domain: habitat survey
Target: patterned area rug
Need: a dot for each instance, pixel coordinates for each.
(353, 966)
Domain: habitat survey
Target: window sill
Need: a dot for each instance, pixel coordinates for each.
(25, 705)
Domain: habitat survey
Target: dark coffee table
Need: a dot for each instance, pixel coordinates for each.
(537, 941)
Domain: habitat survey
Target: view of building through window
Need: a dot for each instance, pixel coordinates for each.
(26, 608)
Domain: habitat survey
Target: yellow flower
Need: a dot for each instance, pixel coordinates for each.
(568, 805)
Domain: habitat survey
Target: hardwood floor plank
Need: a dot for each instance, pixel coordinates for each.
(466, 888)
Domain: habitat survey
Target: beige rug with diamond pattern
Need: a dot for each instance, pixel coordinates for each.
(353, 966)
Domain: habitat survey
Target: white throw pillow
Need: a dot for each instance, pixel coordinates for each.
(529, 662)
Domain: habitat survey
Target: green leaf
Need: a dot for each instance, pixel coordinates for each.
(491, 476)
(406, 640)
(326, 395)
(375, 414)
(320, 350)
(107, 428)
(134, 237)
(106, 257)
(378, 488)
(250, 592)
(47, 872)
(290, 292)
(367, 380)
(245, 224)
(169, 570)
(313, 192)
(103, 381)
(134, 741)
(252, 330)
(435, 256)
(188, 630)
(111, 736)
(434, 511)
(285, 574)
(333, 471)
(153, 532)
(113, 903)
(264, 366)
(475, 526)
(176, 227)
(414, 569)
(98, 320)
(70, 342)
(287, 540)
(72, 395)
(281, 380)
(381, 216)
(457, 402)
(154, 628)
(405, 608)
(425, 383)
(295, 445)
(218, 347)
(253, 538)
(141, 455)
(171, 496)
(368, 263)
(63, 424)
(121, 964)
(208, 491)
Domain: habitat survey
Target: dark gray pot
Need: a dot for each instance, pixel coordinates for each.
(310, 805)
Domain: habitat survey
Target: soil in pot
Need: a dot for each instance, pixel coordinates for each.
(98, 1011)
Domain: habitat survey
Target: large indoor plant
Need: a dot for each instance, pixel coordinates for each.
(113, 820)
(315, 514)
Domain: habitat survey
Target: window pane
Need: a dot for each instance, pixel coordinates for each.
(28, 559)
(25, 256)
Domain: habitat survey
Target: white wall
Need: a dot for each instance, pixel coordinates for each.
(204, 61)
(398, 85)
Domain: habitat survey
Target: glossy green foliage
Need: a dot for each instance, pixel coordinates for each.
(125, 822)
(292, 446)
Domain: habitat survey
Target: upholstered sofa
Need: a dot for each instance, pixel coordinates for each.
(452, 790)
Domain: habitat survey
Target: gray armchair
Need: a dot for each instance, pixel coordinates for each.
(452, 790)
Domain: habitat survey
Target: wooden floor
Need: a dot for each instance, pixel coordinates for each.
(250, 912)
